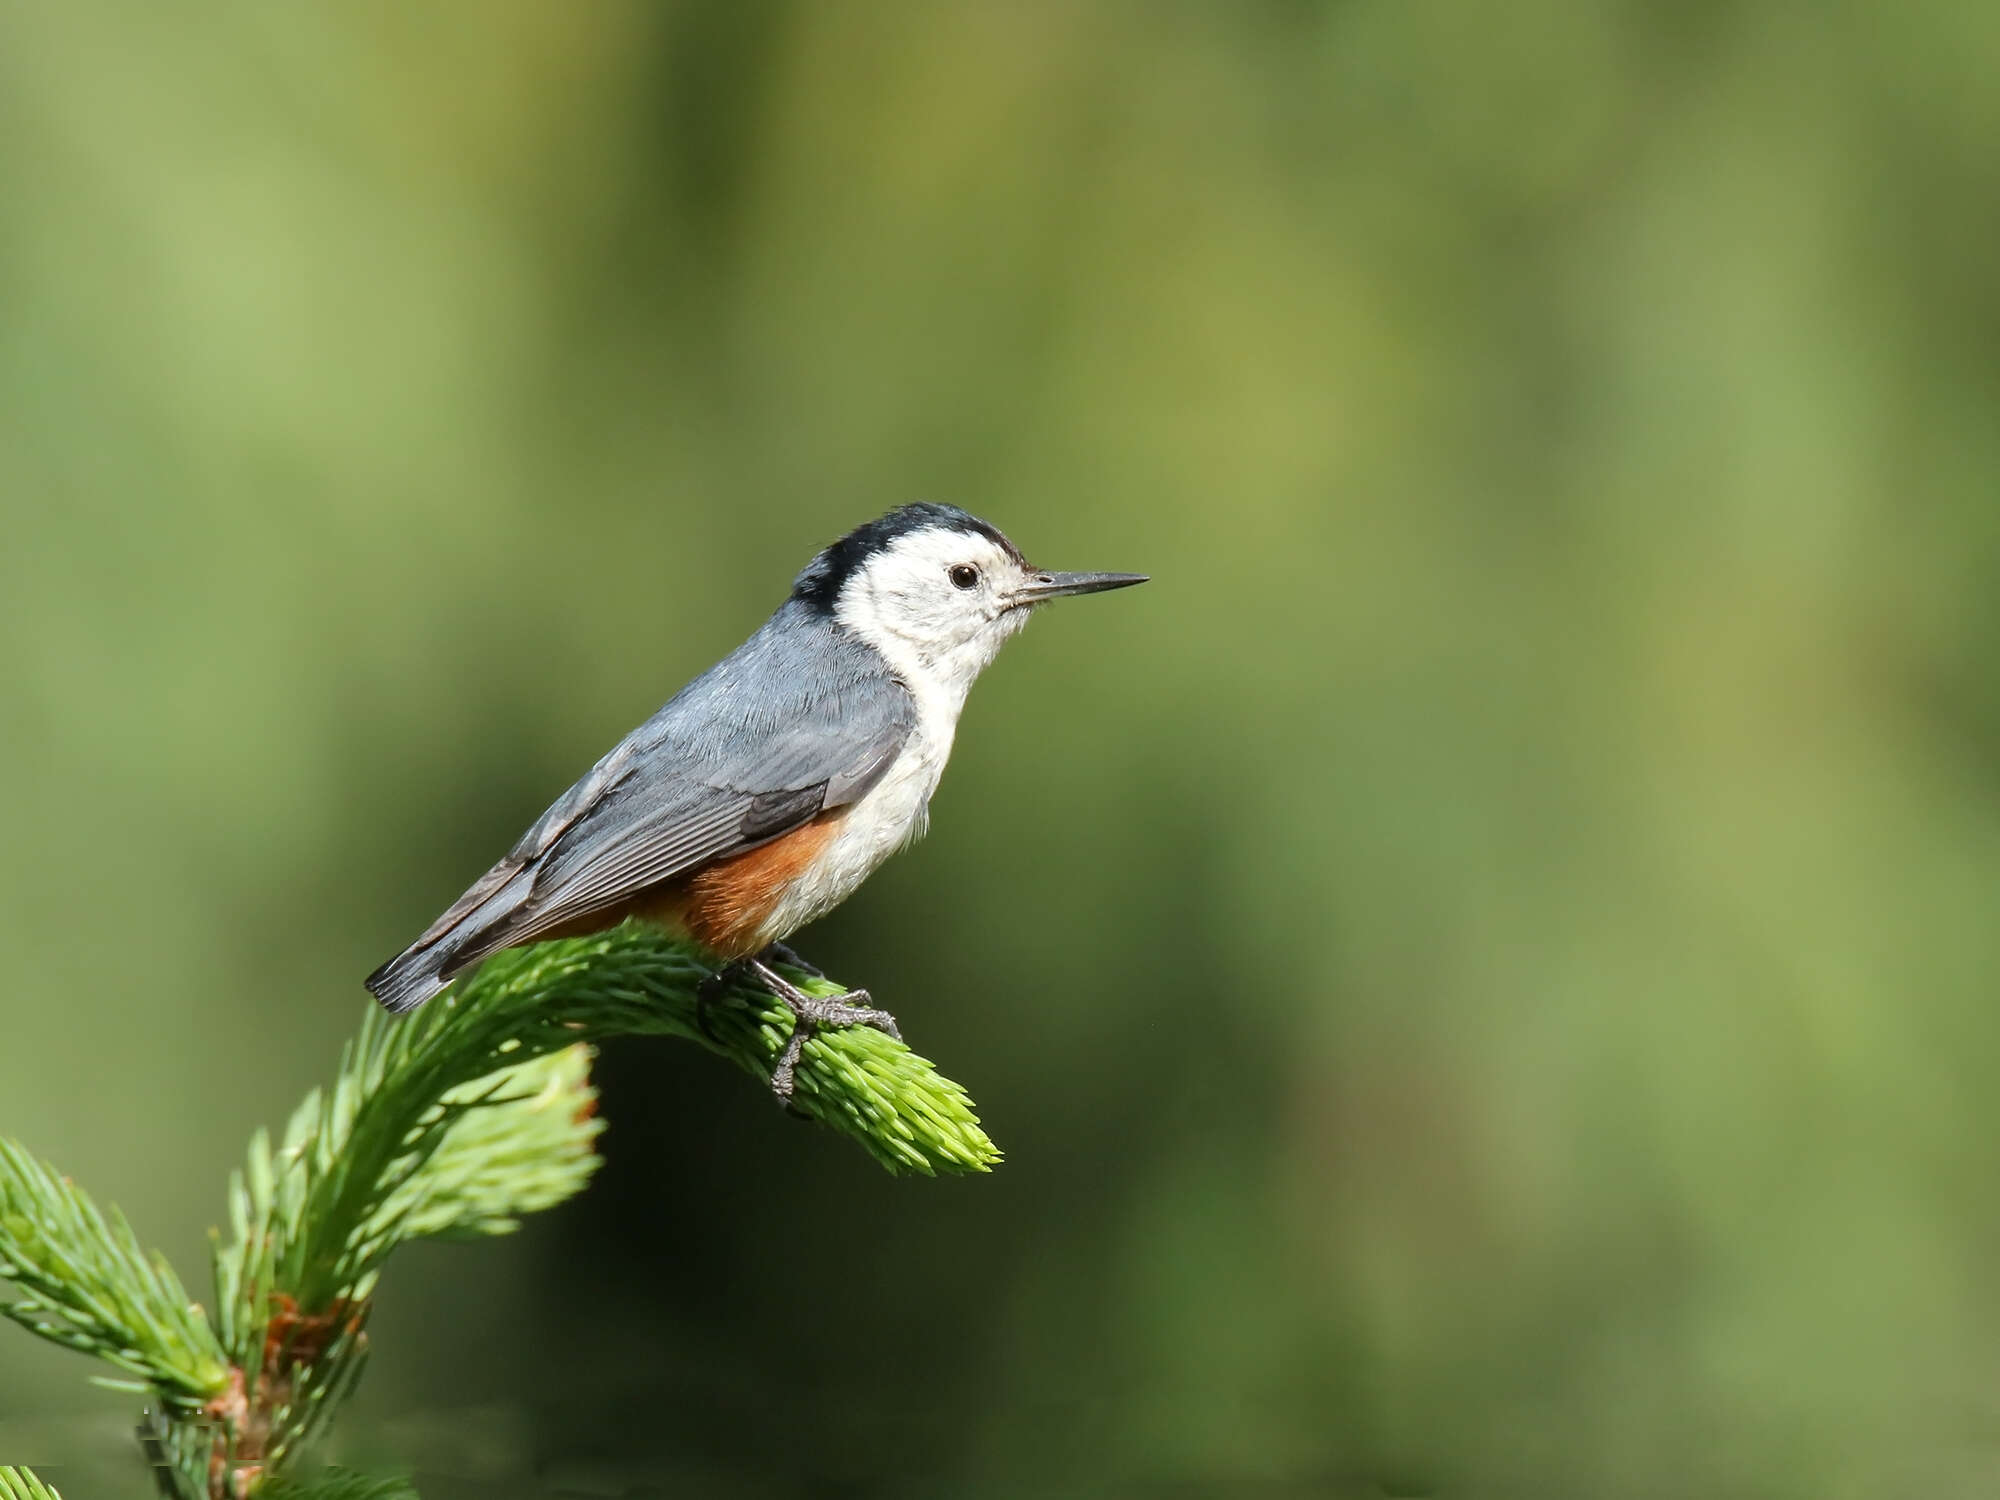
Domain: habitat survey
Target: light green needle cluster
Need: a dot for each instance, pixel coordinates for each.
(522, 1141)
(21, 1484)
(872, 1087)
(85, 1282)
(451, 1122)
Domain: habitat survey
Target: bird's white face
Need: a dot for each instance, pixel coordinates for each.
(939, 604)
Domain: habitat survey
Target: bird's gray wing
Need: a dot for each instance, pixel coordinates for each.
(671, 800)
(662, 821)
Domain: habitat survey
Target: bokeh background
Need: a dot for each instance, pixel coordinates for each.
(1484, 970)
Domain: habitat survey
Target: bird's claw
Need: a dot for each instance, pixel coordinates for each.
(809, 1014)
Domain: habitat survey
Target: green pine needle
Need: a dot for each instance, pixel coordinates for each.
(21, 1484)
(335, 1484)
(87, 1284)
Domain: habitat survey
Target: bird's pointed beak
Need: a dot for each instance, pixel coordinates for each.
(1045, 586)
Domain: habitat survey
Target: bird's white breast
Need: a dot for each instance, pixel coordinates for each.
(893, 813)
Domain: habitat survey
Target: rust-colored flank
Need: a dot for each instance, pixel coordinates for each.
(723, 906)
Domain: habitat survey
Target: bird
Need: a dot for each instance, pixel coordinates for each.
(771, 786)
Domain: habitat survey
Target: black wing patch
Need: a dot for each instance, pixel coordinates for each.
(771, 813)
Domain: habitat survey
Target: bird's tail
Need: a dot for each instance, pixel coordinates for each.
(476, 926)
(410, 978)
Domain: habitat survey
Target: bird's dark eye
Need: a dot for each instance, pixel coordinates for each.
(964, 576)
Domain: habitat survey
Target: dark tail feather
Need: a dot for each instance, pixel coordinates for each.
(409, 979)
(476, 926)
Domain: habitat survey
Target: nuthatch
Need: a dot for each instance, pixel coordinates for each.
(772, 785)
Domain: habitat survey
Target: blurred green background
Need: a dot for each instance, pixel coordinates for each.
(1484, 969)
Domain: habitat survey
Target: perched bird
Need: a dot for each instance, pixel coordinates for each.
(773, 784)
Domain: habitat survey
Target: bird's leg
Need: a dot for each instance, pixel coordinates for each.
(809, 1013)
(783, 953)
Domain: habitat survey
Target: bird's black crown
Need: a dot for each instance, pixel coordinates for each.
(823, 578)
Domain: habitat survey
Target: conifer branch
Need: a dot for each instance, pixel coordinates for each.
(452, 1122)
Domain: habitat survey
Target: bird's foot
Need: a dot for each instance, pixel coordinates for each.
(708, 994)
(809, 1014)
